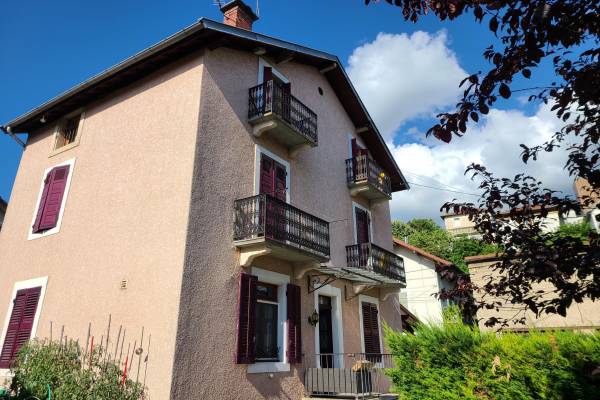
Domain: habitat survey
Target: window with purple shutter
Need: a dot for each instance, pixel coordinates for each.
(246, 319)
(51, 199)
(362, 225)
(294, 324)
(370, 316)
(20, 324)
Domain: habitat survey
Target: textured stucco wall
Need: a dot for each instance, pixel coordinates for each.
(125, 218)
(581, 316)
(422, 283)
(223, 172)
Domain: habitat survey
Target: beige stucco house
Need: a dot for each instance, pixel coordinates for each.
(423, 282)
(227, 192)
(584, 316)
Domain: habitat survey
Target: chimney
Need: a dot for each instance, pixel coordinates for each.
(239, 14)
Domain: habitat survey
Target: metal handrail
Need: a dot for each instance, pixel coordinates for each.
(269, 97)
(363, 168)
(371, 257)
(266, 216)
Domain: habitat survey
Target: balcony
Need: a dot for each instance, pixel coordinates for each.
(273, 110)
(373, 262)
(265, 225)
(365, 178)
(348, 375)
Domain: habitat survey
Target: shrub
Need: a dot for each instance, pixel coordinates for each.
(456, 361)
(70, 376)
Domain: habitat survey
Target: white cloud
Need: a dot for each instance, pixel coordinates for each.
(494, 142)
(400, 77)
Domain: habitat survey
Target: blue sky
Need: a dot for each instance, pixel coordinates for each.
(49, 47)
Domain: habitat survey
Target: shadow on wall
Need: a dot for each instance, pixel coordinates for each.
(273, 386)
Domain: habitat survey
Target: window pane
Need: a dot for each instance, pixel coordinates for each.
(266, 331)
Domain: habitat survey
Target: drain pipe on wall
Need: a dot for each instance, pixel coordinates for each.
(7, 130)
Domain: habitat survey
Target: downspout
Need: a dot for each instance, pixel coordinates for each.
(8, 131)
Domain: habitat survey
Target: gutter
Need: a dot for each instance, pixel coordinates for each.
(8, 131)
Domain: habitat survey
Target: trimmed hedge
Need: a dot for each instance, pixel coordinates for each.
(456, 361)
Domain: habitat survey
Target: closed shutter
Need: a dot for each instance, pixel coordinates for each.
(371, 329)
(267, 74)
(246, 319)
(20, 324)
(362, 225)
(51, 199)
(294, 350)
(267, 175)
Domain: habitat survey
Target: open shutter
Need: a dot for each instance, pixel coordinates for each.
(267, 74)
(40, 209)
(280, 181)
(20, 324)
(294, 348)
(246, 319)
(371, 328)
(58, 183)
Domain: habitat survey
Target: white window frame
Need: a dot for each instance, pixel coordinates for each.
(54, 151)
(262, 63)
(373, 300)
(28, 284)
(31, 235)
(354, 207)
(281, 281)
(338, 326)
(261, 150)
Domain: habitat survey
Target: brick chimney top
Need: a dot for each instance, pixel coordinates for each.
(239, 14)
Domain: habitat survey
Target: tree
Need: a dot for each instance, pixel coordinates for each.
(566, 34)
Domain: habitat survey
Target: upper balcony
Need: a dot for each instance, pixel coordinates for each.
(266, 225)
(367, 179)
(375, 263)
(272, 109)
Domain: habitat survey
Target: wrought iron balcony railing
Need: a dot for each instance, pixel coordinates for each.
(372, 258)
(265, 216)
(363, 169)
(347, 375)
(271, 98)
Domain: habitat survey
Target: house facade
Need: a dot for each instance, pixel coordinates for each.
(584, 316)
(423, 282)
(226, 192)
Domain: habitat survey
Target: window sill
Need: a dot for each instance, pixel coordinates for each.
(264, 367)
(64, 148)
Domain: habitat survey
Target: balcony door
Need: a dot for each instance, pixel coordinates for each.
(273, 181)
(362, 225)
(326, 332)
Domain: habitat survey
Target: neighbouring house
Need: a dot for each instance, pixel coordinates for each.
(192, 190)
(459, 224)
(423, 282)
(584, 316)
(588, 200)
(3, 206)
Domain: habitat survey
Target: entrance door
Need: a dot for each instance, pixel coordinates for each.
(273, 178)
(326, 332)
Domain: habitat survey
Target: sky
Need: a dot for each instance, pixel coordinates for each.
(405, 74)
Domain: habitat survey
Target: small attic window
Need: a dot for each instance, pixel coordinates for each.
(320, 90)
(67, 131)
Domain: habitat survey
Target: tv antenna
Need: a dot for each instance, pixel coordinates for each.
(219, 3)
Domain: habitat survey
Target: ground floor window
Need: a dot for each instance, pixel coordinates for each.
(267, 311)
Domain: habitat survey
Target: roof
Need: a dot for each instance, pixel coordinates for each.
(204, 33)
(482, 258)
(533, 209)
(423, 253)
(3, 203)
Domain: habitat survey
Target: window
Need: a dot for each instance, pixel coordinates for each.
(67, 132)
(271, 174)
(266, 348)
(51, 200)
(362, 224)
(21, 318)
(269, 313)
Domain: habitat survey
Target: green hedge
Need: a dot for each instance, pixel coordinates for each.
(62, 369)
(455, 361)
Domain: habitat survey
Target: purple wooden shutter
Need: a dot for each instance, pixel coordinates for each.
(267, 175)
(20, 324)
(53, 199)
(246, 319)
(267, 74)
(43, 197)
(371, 328)
(294, 323)
(280, 181)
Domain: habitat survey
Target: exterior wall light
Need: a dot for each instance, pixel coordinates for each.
(313, 318)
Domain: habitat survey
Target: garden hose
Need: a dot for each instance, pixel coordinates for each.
(49, 392)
